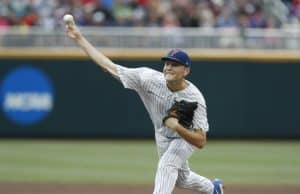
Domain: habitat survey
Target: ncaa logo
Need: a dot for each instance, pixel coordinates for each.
(26, 95)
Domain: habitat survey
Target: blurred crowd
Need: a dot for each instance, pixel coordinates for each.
(164, 13)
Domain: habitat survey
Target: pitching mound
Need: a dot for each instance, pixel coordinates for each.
(26, 188)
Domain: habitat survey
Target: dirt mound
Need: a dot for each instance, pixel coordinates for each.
(31, 188)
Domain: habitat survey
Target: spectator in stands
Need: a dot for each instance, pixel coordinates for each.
(184, 13)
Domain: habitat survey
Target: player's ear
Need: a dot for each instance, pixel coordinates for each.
(186, 71)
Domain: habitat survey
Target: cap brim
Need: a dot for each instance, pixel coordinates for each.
(172, 59)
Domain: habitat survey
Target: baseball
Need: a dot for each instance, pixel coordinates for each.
(68, 18)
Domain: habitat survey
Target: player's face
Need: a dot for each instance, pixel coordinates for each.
(174, 71)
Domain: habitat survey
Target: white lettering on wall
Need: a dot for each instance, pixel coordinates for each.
(28, 101)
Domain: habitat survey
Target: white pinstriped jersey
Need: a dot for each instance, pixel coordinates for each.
(157, 98)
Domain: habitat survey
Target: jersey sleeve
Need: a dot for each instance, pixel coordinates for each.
(200, 118)
(131, 78)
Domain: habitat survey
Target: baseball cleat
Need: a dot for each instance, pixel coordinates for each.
(218, 186)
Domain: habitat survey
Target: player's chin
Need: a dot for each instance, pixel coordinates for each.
(169, 77)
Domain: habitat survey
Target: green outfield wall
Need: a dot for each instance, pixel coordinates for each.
(245, 98)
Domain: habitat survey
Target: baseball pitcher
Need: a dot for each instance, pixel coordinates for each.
(177, 110)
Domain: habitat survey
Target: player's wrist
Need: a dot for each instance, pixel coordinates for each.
(179, 127)
(79, 38)
(171, 122)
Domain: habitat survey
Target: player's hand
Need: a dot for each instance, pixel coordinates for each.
(183, 111)
(72, 30)
(172, 123)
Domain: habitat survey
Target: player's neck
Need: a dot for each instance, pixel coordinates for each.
(175, 86)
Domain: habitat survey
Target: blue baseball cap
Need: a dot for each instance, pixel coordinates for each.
(178, 56)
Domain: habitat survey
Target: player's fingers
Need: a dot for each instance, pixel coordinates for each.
(70, 22)
(69, 28)
(67, 31)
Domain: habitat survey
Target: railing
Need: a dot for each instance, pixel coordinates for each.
(117, 37)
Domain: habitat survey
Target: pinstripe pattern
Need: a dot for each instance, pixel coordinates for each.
(173, 151)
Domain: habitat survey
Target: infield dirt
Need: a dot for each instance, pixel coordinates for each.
(31, 188)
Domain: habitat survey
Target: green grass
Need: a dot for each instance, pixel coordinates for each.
(237, 162)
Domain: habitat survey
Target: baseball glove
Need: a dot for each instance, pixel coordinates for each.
(183, 111)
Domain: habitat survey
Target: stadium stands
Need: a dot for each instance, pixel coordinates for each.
(206, 24)
(179, 13)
